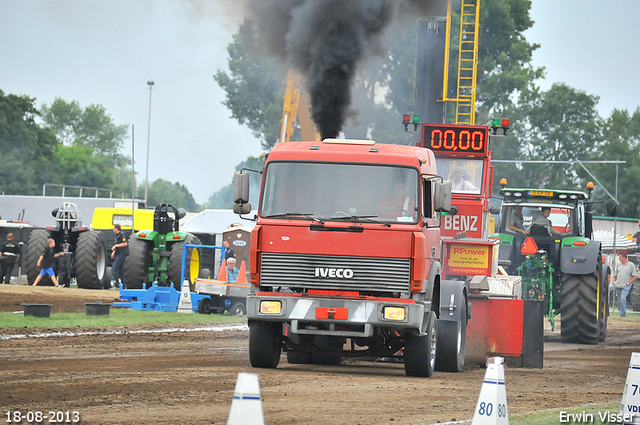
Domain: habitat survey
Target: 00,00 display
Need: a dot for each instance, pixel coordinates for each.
(456, 139)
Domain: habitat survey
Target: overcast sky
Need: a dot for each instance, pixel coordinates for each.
(104, 52)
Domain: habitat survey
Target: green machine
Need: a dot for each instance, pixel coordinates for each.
(156, 255)
(559, 262)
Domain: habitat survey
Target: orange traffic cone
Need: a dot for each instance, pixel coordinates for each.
(222, 276)
(242, 273)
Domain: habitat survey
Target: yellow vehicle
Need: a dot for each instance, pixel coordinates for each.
(105, 218)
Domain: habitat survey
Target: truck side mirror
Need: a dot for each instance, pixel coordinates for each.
(442, 196)
(242, 208)
(241, 184)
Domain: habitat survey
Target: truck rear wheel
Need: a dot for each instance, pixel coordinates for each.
(264, 344)
(420, 351)
(581, 311)
(299, 357)
(452, 337)
(136, 269)
(35, 247)
(91, 260)
(192, 262)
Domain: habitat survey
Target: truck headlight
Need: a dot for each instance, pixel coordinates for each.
(394, 313)
(270, 307)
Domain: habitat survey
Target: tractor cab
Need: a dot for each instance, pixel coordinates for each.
(548, 217)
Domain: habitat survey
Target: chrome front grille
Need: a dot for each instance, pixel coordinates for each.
(369, 274)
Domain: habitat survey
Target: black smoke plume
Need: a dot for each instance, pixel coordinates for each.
(324, 40)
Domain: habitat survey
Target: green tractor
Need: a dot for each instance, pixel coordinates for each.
(156, 255)
(559, 262)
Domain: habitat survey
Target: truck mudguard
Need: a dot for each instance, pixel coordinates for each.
(580, 260)
(434, 273)
(452, 296)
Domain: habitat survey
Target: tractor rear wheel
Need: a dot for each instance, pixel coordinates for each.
(192, 262)
(420, 351)
(35, 247)
(91, 260)
(136, 268)
(582, 311)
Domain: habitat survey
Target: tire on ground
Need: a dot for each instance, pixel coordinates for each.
(238, 309)
(452, 337)
(136, 269)
(579, 295)
(420, 351)
(264, 344)
(192, 262)
(91, 260)
(298, 357)
(35, 247)
(204, 306)
(108, 277)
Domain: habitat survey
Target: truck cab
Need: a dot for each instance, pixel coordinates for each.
(345, 254)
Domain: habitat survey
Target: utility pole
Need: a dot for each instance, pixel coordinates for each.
(146, 179)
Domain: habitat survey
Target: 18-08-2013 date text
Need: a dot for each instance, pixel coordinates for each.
(42, 417)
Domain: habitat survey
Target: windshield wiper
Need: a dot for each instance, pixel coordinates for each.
(293, 214)
(366, 218)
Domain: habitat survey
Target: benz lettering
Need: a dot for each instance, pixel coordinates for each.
(334, 272)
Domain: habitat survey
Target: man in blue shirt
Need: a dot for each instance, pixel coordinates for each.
(232, 271)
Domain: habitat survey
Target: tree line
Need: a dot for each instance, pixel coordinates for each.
(559, 124)
(65, 144)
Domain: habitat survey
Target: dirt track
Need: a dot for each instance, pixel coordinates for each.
(188, 377)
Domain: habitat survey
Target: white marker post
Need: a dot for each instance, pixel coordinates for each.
(492, 403)
(246, 406)
(630, 406)
(185, 305)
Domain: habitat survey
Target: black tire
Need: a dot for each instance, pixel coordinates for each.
(452, 341)
(108, 277)
(420, 351)
(298, 357)
(204, 306)
(35, 247)
(264, 344)
(136, 265)
(192, 261)
(580, 309)
(238, 309)
(91, 260)
(603, 312)
(205, 274)
(326, 343)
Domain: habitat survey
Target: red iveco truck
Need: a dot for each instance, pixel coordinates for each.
(346, 258)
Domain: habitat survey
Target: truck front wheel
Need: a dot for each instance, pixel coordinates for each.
(420, 351)
(264, 344)
(581, 312)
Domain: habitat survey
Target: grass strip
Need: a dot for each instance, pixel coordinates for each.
(117, 317)
(592, 414)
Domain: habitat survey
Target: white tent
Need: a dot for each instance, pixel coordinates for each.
(606, 241)
(215, 221)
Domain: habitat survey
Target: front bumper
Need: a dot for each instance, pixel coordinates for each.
(336, 316)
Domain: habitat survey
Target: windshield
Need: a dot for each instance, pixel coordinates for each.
(465, 174)
(350, 192)
(516, 217)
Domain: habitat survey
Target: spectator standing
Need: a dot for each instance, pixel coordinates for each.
(227, 252)
(9, 256)
(625, 276)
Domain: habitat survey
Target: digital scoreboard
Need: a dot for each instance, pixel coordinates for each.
(456, 139)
